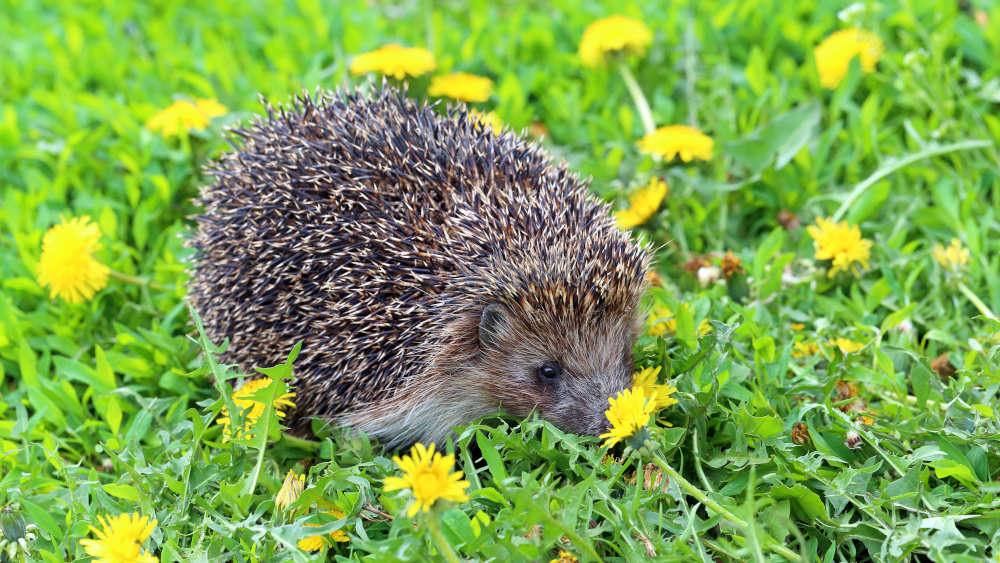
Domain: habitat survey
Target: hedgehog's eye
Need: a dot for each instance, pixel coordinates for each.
(549, 371)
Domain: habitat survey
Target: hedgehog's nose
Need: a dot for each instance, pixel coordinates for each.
(599, 425)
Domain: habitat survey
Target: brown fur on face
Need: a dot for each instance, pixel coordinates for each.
(491, 365)
(594, 358)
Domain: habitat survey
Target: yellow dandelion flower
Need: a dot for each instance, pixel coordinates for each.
(642, 204)
(428, 475)
(67, 264)
(564, 557)
(243, 399)
(184, 115)
(833, 56)
(395, 61)
(803, 349)
(120, 539)
(660, 394)
(489, 120)
(847, 346)
(840, 243)
(954, 258)
(461, 86)
(290, 490)
(670, 141)
(629, 412)
(318, 542)
(662, 321)
(612, 35)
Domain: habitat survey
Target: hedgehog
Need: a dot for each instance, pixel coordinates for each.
(435, 271)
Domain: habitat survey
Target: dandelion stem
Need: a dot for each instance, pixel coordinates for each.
(142, 282)
(645, 114)
(435, 528)
(895, 164)
(976, 301)
(719, 509)
(300, 443)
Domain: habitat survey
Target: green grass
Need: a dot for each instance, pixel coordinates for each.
(109, 406)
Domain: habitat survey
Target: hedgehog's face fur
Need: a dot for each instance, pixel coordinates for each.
(565, 373)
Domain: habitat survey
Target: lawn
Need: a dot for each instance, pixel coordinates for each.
(824, 300)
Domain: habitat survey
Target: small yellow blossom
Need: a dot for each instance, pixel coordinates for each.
(395, 60)
(611, 35)
(803, 349)
(629, 412)
(488, 120)
(564, 557)
(662, 320)
(847, 346)
(797, 326)
(833, 56)
(290, 490)
(67, 264)
(318, 542)
(120, 539)
(243, 399)
(670, 141)
(660, 394)
(642, 204)
(461, 86)
(840, 243)
(428, 475)
(866, 419)
(954, 258)
(183, 116)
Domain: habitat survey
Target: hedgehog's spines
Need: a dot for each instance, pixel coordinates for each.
(364, 224)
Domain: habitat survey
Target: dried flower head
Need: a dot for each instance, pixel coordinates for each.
(183, 116)
(67, 264)
(629, 412)
(616, 34)
(120, 539)
(642, 204)
(243, 397)
(461, 86)
(852, 439)
(428, 475)
(395, 61)
(833, 56)
(845, 396)
(800, 434)
(954, 258)
(788, 220)
(943, 366)
(731, 265)
(678, 140)
(653, 479)
(841, 243)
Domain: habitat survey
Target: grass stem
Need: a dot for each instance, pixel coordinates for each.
(645, 114)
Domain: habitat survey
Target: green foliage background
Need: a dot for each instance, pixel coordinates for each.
(108, 406)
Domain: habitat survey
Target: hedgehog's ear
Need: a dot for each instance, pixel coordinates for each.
(493, 325)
